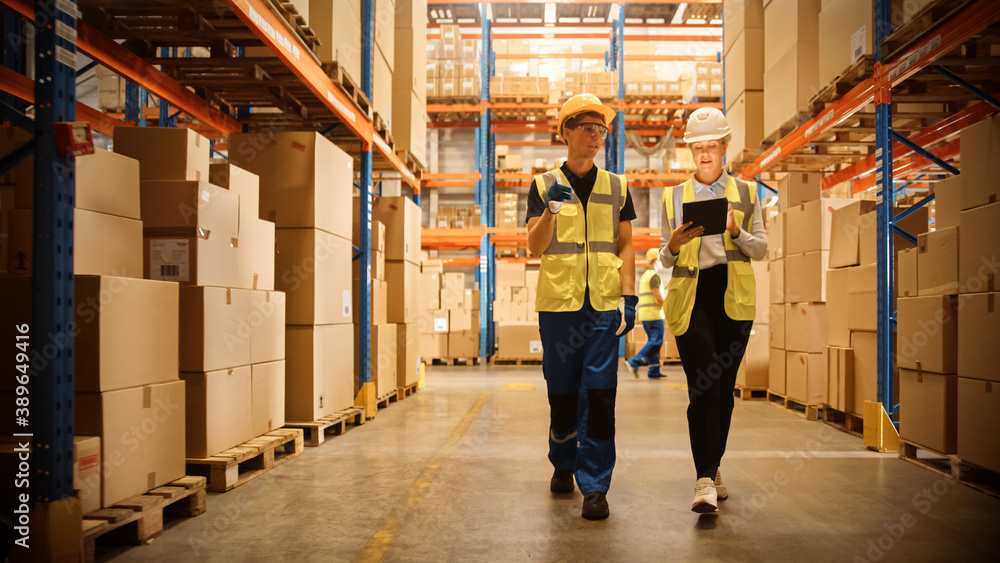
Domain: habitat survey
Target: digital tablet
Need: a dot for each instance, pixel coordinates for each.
(708, 213)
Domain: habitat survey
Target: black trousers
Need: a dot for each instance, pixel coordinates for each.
(711, 351)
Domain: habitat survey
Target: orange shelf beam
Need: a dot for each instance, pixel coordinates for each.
(22, 87)
(606, 36)
(911, 165)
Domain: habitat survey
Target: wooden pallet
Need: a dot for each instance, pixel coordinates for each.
(750, 393)
(851, 423)
(741, 160)
(404, 392)
(951, 466)
(288, 12)
(411, 162)
(919, 25)
(231, 468)
(454, 361)
(844, 83)
(349, 86)
(138, 520)
(806, 411)
(379, 125)
(519, 99)
(334, 424)
(783, 131)
(516, 361)
(390, 397)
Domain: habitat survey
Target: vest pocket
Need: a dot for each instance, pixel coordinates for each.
(566, 220)
(556, 279)
(745, 286)
(607, 268)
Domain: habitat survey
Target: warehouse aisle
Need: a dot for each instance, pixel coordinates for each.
(458, 472)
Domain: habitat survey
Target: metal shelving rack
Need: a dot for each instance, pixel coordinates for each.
(54, 100)
(485, 179)
(891, 145)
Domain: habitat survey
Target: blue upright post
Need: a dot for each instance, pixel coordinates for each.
(132, 110)
(165, 120)
(13, 51)
(485, 191)
(620, 126)
(884, 214)
(365, 184)
(52, 255)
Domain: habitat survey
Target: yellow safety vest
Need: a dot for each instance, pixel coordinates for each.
(583, 250)
(740, 300)
(648, 309)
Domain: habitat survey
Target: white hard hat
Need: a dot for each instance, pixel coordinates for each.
(707, 124)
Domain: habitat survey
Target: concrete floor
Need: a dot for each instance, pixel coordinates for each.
(457, 472)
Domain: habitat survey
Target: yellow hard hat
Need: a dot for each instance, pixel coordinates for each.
(581, 103)
(652, 254)
(707, 124)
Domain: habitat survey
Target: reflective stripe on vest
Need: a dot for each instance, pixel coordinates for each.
(740, 294)
(583, 249)
(648, 309)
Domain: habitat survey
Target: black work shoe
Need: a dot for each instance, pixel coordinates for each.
(595, 506)
(562, 481)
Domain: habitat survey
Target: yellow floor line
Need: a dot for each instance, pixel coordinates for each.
(380, 544)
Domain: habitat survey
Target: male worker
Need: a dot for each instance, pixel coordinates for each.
(579, 222)
(650, 314)
(711, 296)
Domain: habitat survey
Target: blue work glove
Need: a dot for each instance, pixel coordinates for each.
(557, 194)
(626, 314)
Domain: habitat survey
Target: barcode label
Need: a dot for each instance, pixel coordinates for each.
(170, 270)
(170, 260)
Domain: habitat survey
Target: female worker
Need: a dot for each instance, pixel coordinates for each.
(710, 305)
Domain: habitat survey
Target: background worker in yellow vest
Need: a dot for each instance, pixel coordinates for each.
(710, 302)
(579, 222)
(650, 314)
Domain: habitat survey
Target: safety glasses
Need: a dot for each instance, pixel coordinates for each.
(593, 129)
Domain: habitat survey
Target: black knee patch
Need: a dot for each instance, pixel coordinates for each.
(655, 350)
(562, 409)
(601, 418)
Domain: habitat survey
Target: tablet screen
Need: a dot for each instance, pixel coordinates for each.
(708, 213)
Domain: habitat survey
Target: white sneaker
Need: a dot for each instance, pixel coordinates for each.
(705, 497)
(720, 488)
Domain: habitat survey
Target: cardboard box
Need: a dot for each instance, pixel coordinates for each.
(267, 326)
(838, 299)
(87, 472)
(746, 117)
(846, 33)
(844, 248)
(337, 24)
(745, 63)
(790, 83)
(740, 15)
(980, 144)
(401, 281)
(165, 153)
(798, 188)
(805, 276)
(519, 340)
(805, 327)
(453, 280)
(430, 291)
(788, 22)
(215, 328)
(510, 274)
(776, 371)
(103, 245)
(777, 281)
(471, 302)
(190, 209)
(463, 344)
(255, 255)
(937, 262)
(383, 361)
(840, 378)
(862, 313)
(805, 381)
(409, 128)
(191, 260)
(807, 226)
(142, 436)
(434, 346)
(246, 186)
(218, 417)
(906, 272)
(915, 224)
(947, 202)
(865, 345)
(927, 414)
(407, 354)
(776, 338)
(754, 365)
(402, 227)
(978, 422)
(776, 239)
(977, 329)
(267, 396)
(105, 183)
(978, 248)
(312, 269)
(927, 333)
(463, 320)
(305, 180)
(319, 370)
(435, 322)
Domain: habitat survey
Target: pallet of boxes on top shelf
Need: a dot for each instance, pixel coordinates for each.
(791, 57)
(452, 68)
(514, 312)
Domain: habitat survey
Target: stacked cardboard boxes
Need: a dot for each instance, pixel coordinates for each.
(744, 80)
(791, 56)
(305, 190)
(507, 161)
(514, 312)
(846, 34)
(519, 86)
(337, 24)
(125, 332)
(458, 217)
(978, 321)
(434, 320)
(753, 371)
(409, 79)
(709, 82)
(452, 67)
